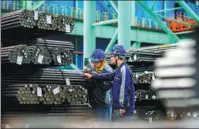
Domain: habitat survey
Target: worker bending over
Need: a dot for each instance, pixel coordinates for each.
(100, 96)
(123, 86)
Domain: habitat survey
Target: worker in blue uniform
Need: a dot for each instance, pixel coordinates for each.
(123, 86)
(100, 95)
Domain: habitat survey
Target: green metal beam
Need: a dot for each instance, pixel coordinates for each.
(173, 37)
(137, 34)
(38, 5)
(165, 10)
(113, 5)
(124, 24)
(74, 67)
(105, 22)
(188, 10)
(151, 7)
(179, 21)
(112, 41)
(89, 44)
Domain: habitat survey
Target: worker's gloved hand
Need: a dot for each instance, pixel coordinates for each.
(87, 75)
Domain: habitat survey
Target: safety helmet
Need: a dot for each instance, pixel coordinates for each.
(118, 50)
(97, 55)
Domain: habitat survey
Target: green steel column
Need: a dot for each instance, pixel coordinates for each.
(133, 11)
(76, 7)
(112, 41)
(188, 10)
(89, 30)
(124, 23)
(165, 7)
(28, 4)
(23, 4)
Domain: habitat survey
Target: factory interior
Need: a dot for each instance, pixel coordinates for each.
(47, 48)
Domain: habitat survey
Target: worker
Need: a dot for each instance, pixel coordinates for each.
(123, 85)
(100, 96)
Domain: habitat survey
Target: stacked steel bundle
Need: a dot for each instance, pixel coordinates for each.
(46, 94)
(21, 18)
(61, 51)
(176, 82)
(147, 54)
(145, 95)
(41, 52)
(45, 86)
(45, 76)
(18, 54)
(145, 77)
(37, 20)
(177, 79)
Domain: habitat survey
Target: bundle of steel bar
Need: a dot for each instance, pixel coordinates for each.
(39, 54)
(144, 54)
(9, 112)
(45, 94)
(37, 20)
(146, 77)
(147, 54)
(145, 95)
(21, 18)
(61, 51)
(15, 54)
(176, 75)
(44, 76)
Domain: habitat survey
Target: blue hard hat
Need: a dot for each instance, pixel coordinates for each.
(118, 50)
(97, 55)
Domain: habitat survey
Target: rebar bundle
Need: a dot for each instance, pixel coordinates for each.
(15, 54)
(45, 76)
(46, 94)
(146, 77)
(147, 54)
(39, 54)
(21, 18)
(174, 75)
(144, 54)
(61, 51)
(37, 20)
(47, 21)
(145, 95)
(66, 24)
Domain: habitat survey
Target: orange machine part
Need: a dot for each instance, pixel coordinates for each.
(179, 27)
